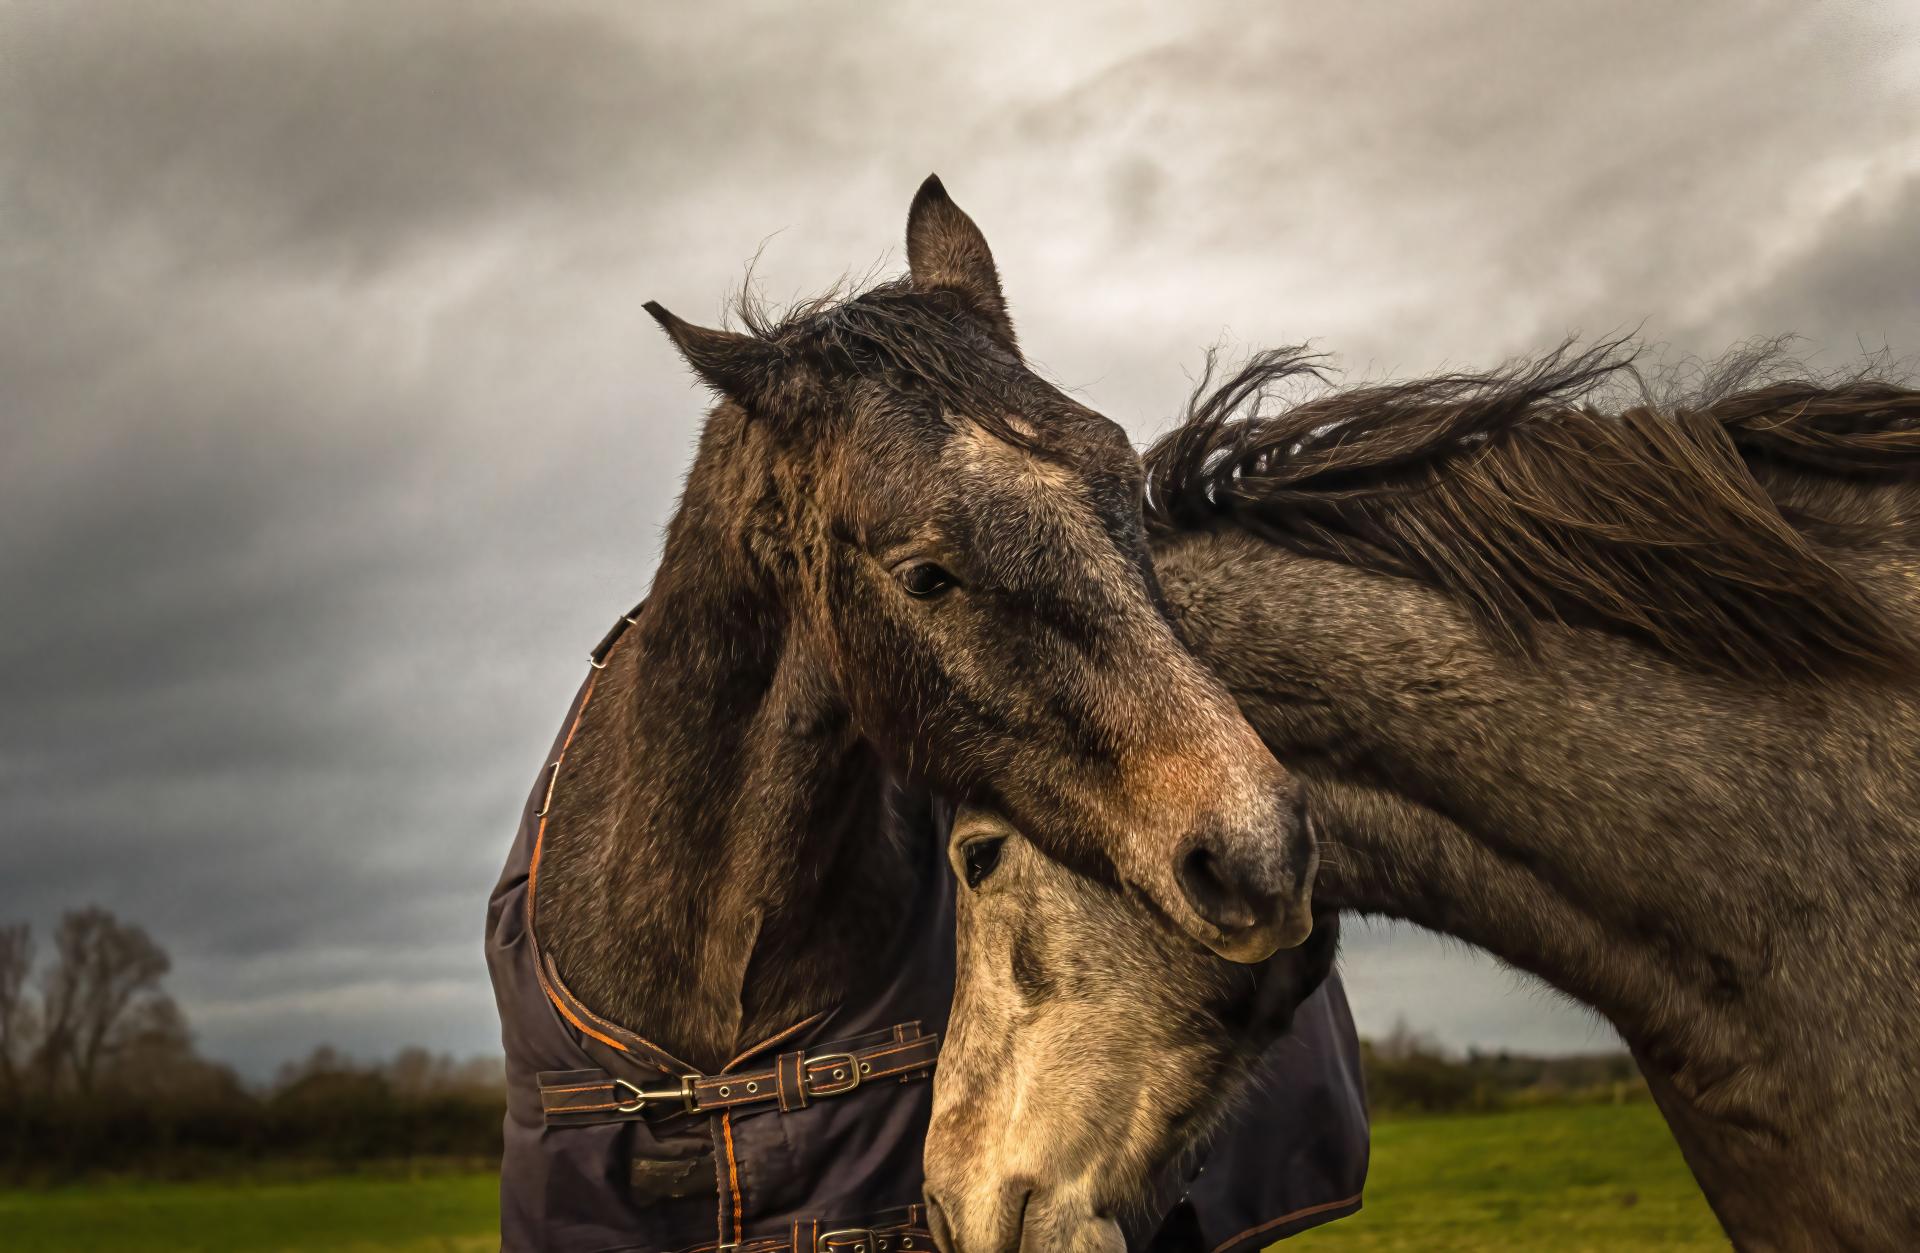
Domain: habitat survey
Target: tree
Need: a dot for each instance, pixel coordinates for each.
(1403, 1043)
(324, 1060)
(101, 996)
(17, 1018)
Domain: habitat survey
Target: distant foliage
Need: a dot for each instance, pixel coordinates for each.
(1409, 1073)
(98, 1074)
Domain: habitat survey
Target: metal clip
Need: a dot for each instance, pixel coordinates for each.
(683, 1094)
(865, 1241)
(546, 798)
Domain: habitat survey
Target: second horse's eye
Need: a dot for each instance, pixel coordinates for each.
(924, 580)
(980, 857)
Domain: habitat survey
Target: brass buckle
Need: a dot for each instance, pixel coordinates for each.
(842, 1083)
(683, 1094)
(867, 1240)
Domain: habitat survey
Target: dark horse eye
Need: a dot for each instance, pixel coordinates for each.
(925, 579)
(981, 856)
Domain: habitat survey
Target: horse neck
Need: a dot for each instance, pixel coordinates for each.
(715, 812)
(1652, 840)
(1725, 869)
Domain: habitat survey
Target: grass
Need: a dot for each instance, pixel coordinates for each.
(1569, 1179)
(443, 1213)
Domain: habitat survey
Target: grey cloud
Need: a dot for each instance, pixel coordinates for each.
(1396, 974)
(233, 135)
(1848, 289)
(1449, 183)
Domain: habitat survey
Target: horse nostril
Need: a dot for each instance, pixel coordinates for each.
(1233, 891)
(1019, 1238)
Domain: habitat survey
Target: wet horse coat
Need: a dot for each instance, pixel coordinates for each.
(812, 1139)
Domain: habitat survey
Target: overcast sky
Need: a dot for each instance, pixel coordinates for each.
(332, 432)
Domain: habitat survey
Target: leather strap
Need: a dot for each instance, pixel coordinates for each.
(902, 1230)
(794, 1081)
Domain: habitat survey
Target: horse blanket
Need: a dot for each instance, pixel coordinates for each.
(811, 1141)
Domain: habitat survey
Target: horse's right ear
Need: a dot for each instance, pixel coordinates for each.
(946, 251)
(740, 367)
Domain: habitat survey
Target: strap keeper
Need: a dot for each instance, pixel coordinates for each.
(904, 1032)
(789, 1080)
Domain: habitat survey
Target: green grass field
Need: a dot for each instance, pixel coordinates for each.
(436, 1214)
(1570, 1180)
(1567, 1179)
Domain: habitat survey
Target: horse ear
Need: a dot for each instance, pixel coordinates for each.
(945, 250)
(740, 367)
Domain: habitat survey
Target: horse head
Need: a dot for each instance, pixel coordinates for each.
(1088, 1048)
(956, 552)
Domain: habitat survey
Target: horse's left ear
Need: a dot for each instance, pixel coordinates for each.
(946, 251)
(742, 368)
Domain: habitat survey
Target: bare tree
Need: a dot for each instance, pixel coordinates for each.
(1404, 1044)
(101, 996)
(17, 1017)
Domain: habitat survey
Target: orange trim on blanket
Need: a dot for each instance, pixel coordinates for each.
(772, 1040)
(733, 1172)
(533, 867)
(540, 835)
(1307, 1212)
(571, 1017)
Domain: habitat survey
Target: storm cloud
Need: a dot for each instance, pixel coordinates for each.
(332, 432)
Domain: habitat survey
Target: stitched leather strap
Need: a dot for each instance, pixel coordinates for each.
(902, 1230)
(795, 1080)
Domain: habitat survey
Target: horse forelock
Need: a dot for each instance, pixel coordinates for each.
(929, 341)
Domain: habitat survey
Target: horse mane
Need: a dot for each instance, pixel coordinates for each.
(1523, 499)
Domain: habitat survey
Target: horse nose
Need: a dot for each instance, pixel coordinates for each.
(1230, 885)
(1245, 884)
(937, 1224)
(995, 1223)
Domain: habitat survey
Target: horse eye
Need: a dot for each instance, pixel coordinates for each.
(981, 856)
(925, 580)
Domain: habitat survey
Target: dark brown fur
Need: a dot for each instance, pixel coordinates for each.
(713, 867)
(1690, 798)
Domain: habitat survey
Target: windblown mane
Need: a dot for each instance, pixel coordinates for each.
(1517, 496)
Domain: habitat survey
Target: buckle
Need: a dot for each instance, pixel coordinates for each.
(845, 1077)
(683, 1094)
(864, 1238)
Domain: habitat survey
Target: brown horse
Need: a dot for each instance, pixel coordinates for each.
(900, 554)
(1625, 698)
